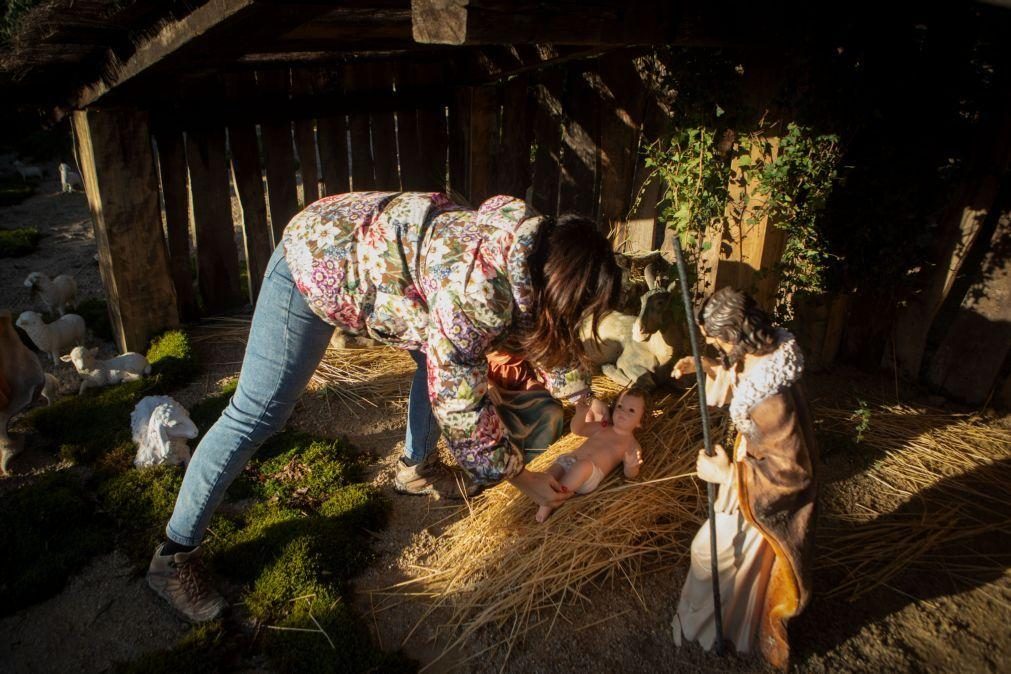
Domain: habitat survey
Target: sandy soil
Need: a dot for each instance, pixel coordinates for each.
(921, 622)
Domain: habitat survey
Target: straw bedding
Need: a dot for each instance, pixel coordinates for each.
(941, 493)
(499, 567)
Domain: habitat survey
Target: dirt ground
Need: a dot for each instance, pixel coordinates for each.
(921, 622)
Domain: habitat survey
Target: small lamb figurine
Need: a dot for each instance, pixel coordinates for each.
(69, 178)
(161, 427)
(129, 366)
(54, 294)
(54, 338)
(21, 378)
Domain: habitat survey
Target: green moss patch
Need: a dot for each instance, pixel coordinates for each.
(51, 529)
(20, 241)
(141, 502)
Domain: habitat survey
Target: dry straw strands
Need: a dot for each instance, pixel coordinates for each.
(499, 567)
(940, 479)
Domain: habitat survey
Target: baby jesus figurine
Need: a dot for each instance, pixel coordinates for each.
(607, 445)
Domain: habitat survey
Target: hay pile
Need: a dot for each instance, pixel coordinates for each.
(358, 377)
(940, 480)
(498, 567)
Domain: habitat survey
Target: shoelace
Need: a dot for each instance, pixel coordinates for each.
(191, 577)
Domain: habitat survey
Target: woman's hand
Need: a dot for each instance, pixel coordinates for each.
(541, 488)
(716, 468)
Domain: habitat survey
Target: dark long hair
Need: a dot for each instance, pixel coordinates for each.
(735, 318)
(574, 276)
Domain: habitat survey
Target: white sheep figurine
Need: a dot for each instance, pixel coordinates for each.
(129, 366)
(70, 179)
(54, 294)
(54, 338)
(161, 427)
(27, 171)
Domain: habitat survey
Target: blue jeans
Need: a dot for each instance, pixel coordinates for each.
(286, 343)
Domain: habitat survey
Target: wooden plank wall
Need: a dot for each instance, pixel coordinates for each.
(272, 169)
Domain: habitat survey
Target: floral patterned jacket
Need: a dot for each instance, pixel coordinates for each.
(416, 271)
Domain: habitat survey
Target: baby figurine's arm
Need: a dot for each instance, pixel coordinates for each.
(579, 425)
(633, 461)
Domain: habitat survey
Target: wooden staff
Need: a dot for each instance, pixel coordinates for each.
(700, 377)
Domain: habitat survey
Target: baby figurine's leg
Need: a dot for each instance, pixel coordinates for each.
(572, 479)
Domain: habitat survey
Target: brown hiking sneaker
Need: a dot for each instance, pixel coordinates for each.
(433, 477)
(180, 579)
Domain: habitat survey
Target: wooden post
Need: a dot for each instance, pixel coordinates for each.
(514, 175)
(302, 82)
(217, 256)
(620, 125)
(484, 120)
(578, 191)
(279, 157)
(970, 357)
(548, 140)
(753, 243)
(248, 182)
(363, 175)
(172, 161)
(638, 231)
(459, 144)
(378, 77)
(432, 132)
(118, 168)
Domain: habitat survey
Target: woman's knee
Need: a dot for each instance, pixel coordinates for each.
(256, 420)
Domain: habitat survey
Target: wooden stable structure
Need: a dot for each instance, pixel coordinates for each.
(263, 106)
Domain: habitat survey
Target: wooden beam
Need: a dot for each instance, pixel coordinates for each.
(217, 256)
(459, 22)
(118, 168)
(172, 163)
(222, 28)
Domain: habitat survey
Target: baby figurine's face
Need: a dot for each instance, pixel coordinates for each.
(627, 414)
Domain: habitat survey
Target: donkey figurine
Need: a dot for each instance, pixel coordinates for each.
(640, 349)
